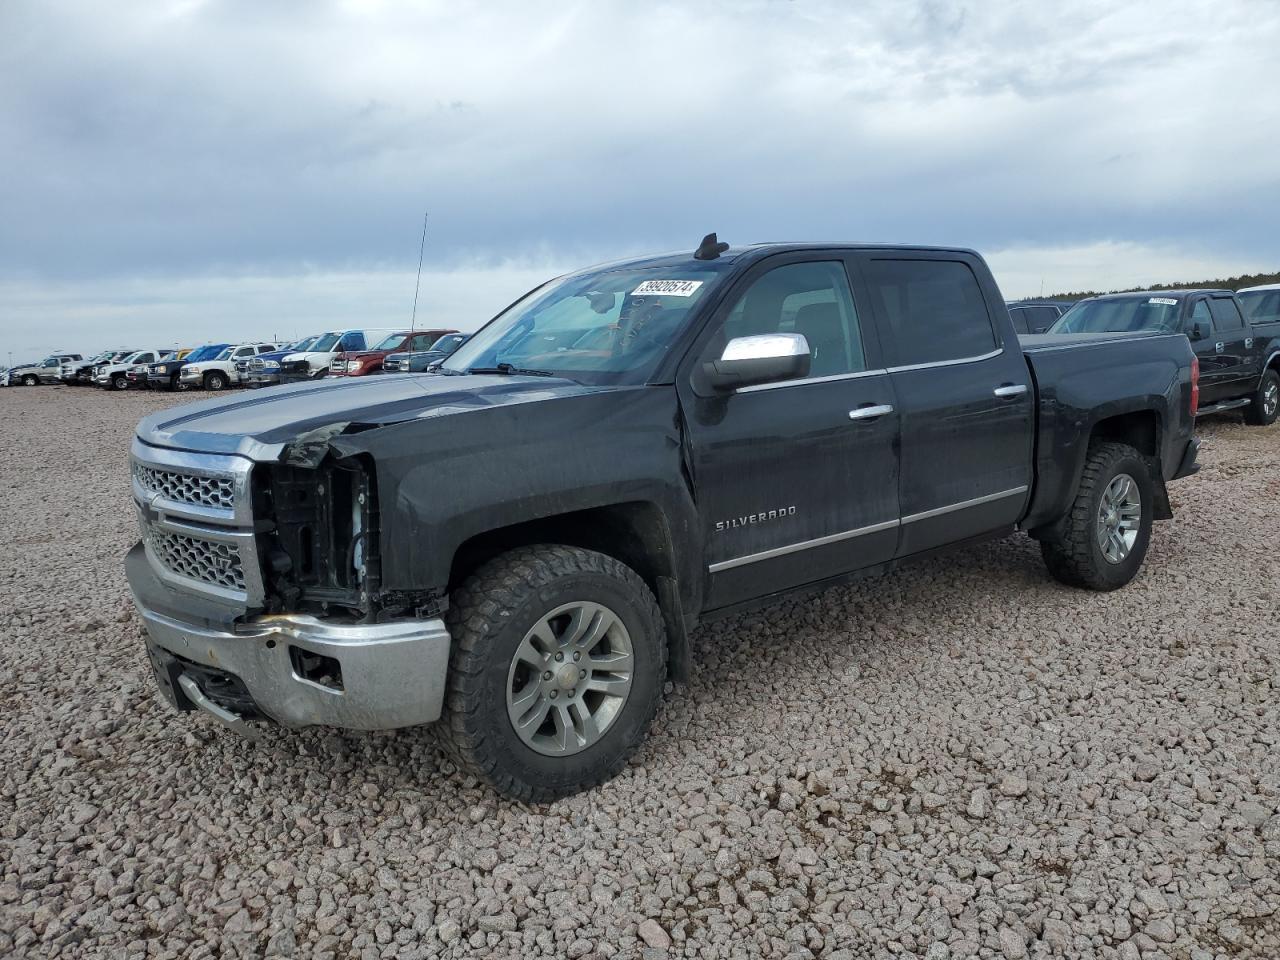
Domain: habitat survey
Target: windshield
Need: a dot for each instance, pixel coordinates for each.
(393, 342)
(450, 342)
(225, 354)
(301, 345)
(1143, 313)
(605, 326)
(324, 343)
(1261, 306)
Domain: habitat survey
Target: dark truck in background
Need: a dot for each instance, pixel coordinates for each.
(1239, 357)
(518, 546)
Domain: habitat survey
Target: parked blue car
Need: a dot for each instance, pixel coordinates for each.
(264, 369)
(164, 375)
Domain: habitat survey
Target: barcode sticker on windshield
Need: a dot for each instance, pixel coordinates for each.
(1167, 301)
(670, 288)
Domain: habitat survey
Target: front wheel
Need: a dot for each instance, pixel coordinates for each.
(1101, 542)
(120, 382)
(30, 380)
(215, 381)
(556, 671)
(1266, 401)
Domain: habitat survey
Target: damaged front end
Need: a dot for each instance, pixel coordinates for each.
(320, 538)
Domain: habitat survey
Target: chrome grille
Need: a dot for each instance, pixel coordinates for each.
(178, 487)
(202, 560)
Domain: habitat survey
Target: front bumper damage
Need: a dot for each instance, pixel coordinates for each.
(301, 671)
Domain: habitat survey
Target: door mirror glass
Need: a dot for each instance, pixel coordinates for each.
(766, 358)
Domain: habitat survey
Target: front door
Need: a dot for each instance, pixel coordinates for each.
(795, 481)
(965, 397)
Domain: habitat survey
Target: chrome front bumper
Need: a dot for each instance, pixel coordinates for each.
(391, 674)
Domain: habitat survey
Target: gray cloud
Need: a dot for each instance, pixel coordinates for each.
(188, 140)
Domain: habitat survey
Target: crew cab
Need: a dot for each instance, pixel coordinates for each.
(360, 363)
(46, 371)
(166, 374)
(113, 375)
(519, 546)
(220, 372)
(441, 350)
(315, 361)
(1239, 357)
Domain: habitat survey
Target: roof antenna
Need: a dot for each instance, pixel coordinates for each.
(422, 247)
(709, 248)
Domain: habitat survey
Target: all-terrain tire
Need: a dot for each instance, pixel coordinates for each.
(1266, 401)
(1073, 554)
(489, 616)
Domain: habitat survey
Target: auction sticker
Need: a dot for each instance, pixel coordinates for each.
(1167, 301)
(668, 288)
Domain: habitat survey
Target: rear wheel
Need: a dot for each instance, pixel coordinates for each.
(556, 672)
(1266, 401)
(215, 380)
(1101, 542)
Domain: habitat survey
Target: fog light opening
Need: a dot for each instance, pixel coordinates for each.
(316, 668)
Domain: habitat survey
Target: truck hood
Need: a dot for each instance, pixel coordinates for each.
(258, 425)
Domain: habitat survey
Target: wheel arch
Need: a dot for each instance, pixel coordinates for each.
(636, 533)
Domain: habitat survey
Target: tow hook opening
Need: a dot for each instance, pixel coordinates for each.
(316, 668)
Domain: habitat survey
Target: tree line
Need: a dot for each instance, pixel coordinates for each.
(1230, 283)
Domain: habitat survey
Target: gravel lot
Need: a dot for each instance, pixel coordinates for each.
(962, 759)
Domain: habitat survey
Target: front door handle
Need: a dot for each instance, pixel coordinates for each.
(870, 412)
(1010, 390)
(1219, 346)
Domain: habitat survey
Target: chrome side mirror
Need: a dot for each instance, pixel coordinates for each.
(766, 358)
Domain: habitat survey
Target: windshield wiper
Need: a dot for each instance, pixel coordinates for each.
(508, 370)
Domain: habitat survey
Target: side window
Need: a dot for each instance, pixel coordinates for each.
(934, 309)
(244, 352)
(812, 299)
(1200, 314)
(353, 341)
(424, 341)
(1019, 317)
(1040, 319)
(145, 358)
(1226, 315)
(266, 347)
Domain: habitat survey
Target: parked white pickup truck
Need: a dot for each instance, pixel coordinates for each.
(220, 372)
(113, 376)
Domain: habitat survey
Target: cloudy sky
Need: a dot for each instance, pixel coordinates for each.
(182, 171)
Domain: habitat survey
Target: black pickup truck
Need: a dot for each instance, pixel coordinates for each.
(518, 546)
(1239, 357)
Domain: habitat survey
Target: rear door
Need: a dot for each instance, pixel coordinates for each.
(1233, 346)
(964, 395)
(796, 481)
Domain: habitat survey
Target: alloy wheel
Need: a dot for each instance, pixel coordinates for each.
(570, 678)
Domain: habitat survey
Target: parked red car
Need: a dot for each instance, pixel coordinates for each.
(362, 362)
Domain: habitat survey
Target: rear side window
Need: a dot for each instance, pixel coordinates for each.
(1019, 317)
(1226, 315)
(934, 310)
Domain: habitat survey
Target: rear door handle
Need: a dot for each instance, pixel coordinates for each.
(870, 412)
(1219, 346)
(1010, 390)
